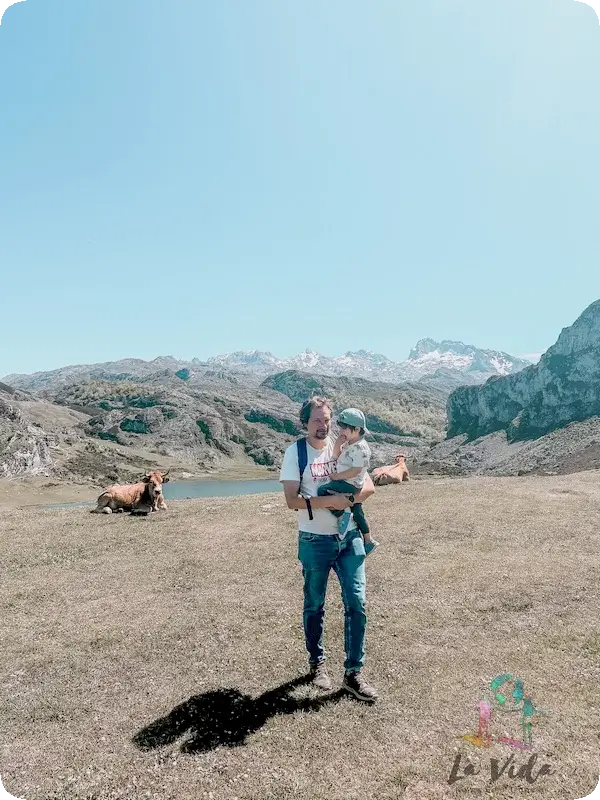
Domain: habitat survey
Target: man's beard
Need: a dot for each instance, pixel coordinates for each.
(321, 433)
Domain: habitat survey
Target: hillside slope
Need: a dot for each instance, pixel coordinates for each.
(195, 422)
(407, 412)
(573, 448)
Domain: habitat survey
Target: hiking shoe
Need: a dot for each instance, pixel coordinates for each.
(343, 523)
(320, 676)
(357, 685)
(370, 546)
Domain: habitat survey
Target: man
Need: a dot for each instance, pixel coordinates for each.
(321, 548)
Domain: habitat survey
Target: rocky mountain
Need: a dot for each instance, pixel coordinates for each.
(203, 416)
(196, 420)
(428, 356)
(451, 363)
(102, 431)
(544, 419)
(362, 363)
(448, 379)
(563, 387)
(27, 442)
(106, 422)
(199, 424)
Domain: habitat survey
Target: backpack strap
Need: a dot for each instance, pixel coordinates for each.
(302, 463)
(302, 456)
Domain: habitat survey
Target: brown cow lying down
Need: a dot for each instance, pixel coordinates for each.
(145, 496)
(396, 473)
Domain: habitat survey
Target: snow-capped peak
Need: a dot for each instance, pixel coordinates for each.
(425, 359)
(242, 357)
(307, 359)
(467, 358)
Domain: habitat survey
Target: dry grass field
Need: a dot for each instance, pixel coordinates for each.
(163, 657)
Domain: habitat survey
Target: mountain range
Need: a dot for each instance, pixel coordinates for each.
(445, 365)
(452, 408)
(428, 358)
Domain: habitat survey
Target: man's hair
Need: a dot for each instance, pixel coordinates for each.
(313, 402)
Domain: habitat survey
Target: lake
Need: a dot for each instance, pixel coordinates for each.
(182, 490)
(188, 490)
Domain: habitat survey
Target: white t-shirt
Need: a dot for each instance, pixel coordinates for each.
(317, 473)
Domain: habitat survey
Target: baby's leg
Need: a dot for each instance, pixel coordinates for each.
(326, 489)
(361, 521)
(363, 527)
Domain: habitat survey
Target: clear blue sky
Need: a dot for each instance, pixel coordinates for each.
(193, 177)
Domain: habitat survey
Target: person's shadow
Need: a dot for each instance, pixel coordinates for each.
(226, 717)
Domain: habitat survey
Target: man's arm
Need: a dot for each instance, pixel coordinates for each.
(347, 474)
(337, 502)
(367, 490)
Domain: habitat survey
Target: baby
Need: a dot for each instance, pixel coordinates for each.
(352, 455)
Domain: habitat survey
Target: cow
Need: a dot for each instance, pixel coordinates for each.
(396, 473)
(145, 496)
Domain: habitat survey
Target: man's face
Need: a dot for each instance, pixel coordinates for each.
(319, 423)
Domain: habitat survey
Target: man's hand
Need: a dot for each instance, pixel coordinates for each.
(338, 502)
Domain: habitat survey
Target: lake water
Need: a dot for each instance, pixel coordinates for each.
(185, 490)
(181, 490)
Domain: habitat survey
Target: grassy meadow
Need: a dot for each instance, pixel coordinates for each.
(163, 657)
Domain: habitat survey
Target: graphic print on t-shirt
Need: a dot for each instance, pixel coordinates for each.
(322, 470)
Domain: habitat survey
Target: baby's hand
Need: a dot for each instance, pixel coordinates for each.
(341, 440)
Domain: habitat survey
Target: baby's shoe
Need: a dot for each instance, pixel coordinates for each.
(370, 546)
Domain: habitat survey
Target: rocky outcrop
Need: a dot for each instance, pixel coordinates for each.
(563, 387)
(24, 448)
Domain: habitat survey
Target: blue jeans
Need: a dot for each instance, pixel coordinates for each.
(319, 555)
